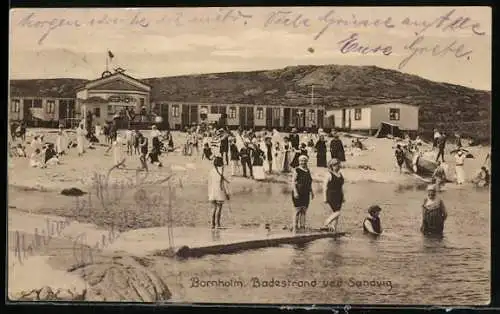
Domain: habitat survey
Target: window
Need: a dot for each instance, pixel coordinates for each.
(37, 103)
(175, 111)
(260, 113)
(110, 110)
(142, 102)
(357, 114)
(15, 105)
(394, 114)
(312, 116)
(51, 106)
(232, 112)
(97, 112)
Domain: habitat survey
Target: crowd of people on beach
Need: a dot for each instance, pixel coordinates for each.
(255, 155)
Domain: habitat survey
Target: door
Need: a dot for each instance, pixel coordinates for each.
(286, 117)
(250, 117)
(63, 107)
(343, 119)
(164, 115)
(269, 118)
(242, 116)
(184, 116)
(321, 118)
(193, 114)
(293, 117)
(27, 104)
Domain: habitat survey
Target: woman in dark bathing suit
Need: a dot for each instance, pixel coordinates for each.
(433, 214)
(334, 193)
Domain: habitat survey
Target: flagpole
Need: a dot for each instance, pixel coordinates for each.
(107, 61)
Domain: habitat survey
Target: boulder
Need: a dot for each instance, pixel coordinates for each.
(123, 279)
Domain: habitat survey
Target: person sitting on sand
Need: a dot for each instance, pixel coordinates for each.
(371, 224)
(51, 157)
(207, 152)
(217, 190)
(433, 213)
(36, 159)
(302, 193)
(483, 178)
(20, 151)
(439, 176)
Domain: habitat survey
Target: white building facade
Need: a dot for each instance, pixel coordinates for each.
(368, 117)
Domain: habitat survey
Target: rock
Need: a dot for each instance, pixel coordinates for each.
(73, 192)
(46, 294)
(123, 279)
(31, 295)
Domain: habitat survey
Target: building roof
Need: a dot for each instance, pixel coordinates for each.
(59, 88)
(373, 105)
(110, 82)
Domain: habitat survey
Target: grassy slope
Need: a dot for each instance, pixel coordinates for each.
(443, 105)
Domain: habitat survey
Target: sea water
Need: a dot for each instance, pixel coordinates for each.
(400, 267)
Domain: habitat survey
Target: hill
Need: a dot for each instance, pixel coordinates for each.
(443, 105)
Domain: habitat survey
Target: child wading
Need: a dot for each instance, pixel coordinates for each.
(371, 224)
(217, 190)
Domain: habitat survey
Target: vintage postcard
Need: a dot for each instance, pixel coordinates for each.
(285, 155)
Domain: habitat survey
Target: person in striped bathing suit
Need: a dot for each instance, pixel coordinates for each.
(433, 213)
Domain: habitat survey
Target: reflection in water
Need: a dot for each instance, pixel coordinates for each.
(454, 269)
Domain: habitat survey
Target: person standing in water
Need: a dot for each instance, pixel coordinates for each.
(334, 193)
(217, 190)
(302, 193)
(433, 213)
(439, 176)
(371, 224)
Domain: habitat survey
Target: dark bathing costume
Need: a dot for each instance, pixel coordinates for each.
(334, 193)
(375, 222)
(303, 186)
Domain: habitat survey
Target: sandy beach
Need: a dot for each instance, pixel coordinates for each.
(36, 192)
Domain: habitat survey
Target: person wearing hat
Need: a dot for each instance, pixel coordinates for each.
(294, 139)
(301, 193)
(371, 224)
(320, 148)
(433, 213)
(334, 193)
(337, 148)
(61, 140)
(245, 155)
(80, 138)
(459, 166)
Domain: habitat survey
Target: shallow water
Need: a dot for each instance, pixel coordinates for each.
(407, 268)
(454, 270)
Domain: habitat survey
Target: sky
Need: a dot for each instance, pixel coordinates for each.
(155, 42)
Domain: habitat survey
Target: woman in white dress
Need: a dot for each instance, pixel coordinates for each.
(217, 190)
(277, 157)
(80, 139)
(459, 166)
(61, 140)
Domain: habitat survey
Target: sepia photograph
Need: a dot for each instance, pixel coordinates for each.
(256, 155)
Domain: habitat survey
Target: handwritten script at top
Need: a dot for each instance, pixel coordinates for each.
(319, 25)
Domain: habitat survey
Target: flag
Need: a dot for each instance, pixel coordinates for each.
(110, 54)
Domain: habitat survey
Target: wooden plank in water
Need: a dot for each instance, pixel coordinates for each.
(243, 245)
